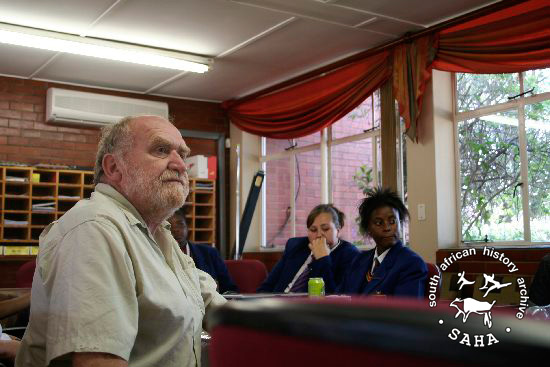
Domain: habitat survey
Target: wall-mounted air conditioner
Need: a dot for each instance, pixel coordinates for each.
(74, 108)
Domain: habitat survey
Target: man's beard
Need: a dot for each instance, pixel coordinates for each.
(158, 196)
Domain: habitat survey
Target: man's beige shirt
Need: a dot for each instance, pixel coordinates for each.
(104, 283)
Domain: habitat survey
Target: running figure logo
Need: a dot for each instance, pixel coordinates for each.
(483, 306)
(472, 305)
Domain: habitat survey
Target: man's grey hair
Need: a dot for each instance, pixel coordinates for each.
(115, 139)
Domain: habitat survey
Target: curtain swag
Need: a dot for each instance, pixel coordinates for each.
(514, 39)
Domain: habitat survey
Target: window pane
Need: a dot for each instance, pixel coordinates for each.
(352, 172)
(277, 185)
(363, 117)
(307, 187)
(273, 146)
(491, 202)
(314, 138)
(538, 79)
(537, 128)
(479, 90)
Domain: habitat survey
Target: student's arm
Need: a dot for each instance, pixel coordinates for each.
(12, 306)
(269, 284)
(224, 279)
(333, 270)
(97, 360)
(412, 279)
(8, 349)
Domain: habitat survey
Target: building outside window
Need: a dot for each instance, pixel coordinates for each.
(294, 166)
(503, 156)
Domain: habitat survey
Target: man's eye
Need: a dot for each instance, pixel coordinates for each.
(162, 150)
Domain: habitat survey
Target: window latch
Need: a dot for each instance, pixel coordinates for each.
(521, 94)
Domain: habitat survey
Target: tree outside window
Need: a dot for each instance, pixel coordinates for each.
(503, 146)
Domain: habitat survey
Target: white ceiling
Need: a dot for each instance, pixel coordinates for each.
(254, 43)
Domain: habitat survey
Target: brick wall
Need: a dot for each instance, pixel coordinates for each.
(26, 138)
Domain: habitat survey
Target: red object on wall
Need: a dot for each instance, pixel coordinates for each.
(212, 167)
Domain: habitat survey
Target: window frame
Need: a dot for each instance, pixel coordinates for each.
(518, 104)
(326, 169)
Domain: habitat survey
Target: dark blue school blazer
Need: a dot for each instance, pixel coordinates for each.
(331, 268)
(208, 260)
(402, 273)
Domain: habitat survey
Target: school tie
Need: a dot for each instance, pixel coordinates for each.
(300, 285)
(371, 273)
(184, 249)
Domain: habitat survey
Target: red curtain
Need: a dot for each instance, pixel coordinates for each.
(511, 40)
(411, 71)
(308, 107)
(514, 39)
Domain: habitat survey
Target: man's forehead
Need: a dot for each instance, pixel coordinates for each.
(152, 129)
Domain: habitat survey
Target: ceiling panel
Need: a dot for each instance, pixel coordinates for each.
(70, 16)
(255, 43)
(104, 73)
(300, 46)
(388, 26)
(21, 61)
(311, 9)
(426, 12)
(206, 27)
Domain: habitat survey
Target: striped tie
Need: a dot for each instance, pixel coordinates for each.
(371, 273)
(300, 285)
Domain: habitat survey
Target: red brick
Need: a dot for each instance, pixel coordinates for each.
(92, 139)
(4, 105)
(3, 157)
(51, 135)
(70, 130)
(45, 127)
(30, 133)
(29, 116)
(4, 122)
(21, 106)
(39, 108)
(17, 140)
(9, 131)
(74, 137)
(3, 140)
(67, 145)
(10, 114)
(9, 149)
(21, 124)
(84, 147)
(33, 99)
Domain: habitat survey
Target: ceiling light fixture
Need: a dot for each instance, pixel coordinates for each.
(110, 50)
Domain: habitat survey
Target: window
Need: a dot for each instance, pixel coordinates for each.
(503, 150)
(353, 164)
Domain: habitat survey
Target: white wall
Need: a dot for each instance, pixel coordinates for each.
(431, 172)
(250, 164)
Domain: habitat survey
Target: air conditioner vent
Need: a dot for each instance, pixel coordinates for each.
(68, 107)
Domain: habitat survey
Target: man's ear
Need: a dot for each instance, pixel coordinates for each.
(112, 169)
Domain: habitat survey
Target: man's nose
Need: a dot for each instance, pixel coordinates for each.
(176, 162)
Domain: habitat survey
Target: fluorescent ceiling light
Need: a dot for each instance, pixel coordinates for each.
(110, 50)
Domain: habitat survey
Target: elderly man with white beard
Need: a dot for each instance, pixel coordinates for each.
(111, 286)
